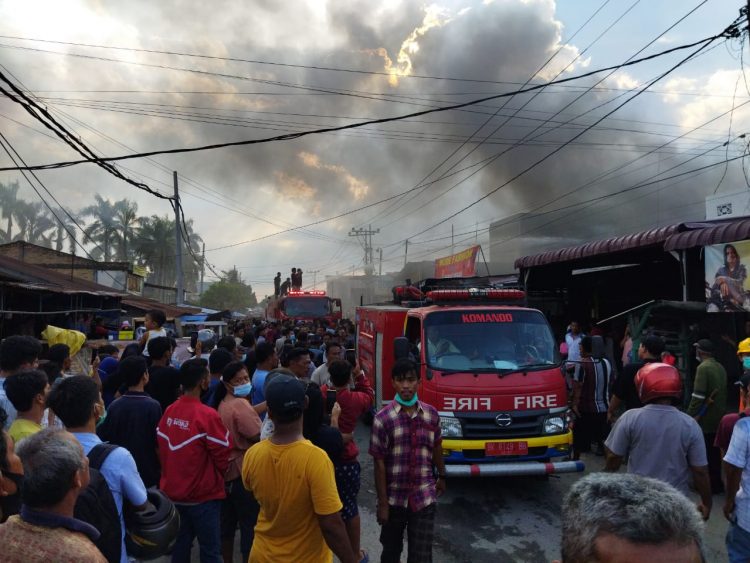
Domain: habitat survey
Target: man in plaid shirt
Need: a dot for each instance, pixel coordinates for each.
(405, 444)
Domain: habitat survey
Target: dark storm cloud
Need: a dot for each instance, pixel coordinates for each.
(504, 41)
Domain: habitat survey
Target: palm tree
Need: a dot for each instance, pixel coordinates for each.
(154, 247)
(126, 222)
(103, 230)
(8, 204)
(34, 223)
(65, 229)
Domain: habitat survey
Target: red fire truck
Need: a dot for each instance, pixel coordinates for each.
(491, 368)
(305, 306)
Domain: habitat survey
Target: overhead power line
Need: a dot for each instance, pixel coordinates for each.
(43, 116)
(8, 147)
(575, 137)
(731, 31)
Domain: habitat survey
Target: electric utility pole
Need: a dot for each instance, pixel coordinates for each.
(365, 237)
(178, 240)
(315, 277)
(203, 265)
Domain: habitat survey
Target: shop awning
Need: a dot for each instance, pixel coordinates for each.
(652, 237)
(708, 233)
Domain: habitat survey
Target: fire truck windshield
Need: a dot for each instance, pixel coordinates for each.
(488, 340)
(307, 306)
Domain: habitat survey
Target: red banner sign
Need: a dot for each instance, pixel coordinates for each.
(461, 265)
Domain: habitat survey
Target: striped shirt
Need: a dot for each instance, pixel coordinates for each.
(406, 443)
(594, 379)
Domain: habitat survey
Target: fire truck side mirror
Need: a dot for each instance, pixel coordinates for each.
(597, 347)
(400, 347)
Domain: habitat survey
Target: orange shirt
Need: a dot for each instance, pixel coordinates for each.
(243, 423)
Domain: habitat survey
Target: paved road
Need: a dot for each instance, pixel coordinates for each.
(503, 519)
(498, 520)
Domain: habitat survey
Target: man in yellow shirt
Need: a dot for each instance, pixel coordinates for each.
(294, 483)
(27, 390)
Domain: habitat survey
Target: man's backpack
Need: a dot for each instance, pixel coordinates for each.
(96, 506)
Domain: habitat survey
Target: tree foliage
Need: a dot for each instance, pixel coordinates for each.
(112, 231)
(229, 293)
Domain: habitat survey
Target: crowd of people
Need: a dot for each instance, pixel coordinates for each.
(635, 416)
(251, 432)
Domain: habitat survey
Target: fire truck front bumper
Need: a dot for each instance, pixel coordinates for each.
(513, 469)
(533, 456)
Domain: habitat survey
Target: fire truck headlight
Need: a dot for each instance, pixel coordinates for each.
(554, 425)
(450, 427)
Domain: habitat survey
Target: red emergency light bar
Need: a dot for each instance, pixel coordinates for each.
(437, 295)
(313, 292)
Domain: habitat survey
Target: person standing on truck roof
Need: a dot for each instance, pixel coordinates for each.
(277, 284)
(284, 289)
(406, 446)
(590, 401)
(658, 439)
(623, 391)
(708, 404)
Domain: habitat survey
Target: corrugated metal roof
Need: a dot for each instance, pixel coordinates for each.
(15, 272)
(171, 311)
(707, 233)
(595, 248)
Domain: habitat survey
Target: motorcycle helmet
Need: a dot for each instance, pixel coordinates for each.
(152, 533)
(657, 380)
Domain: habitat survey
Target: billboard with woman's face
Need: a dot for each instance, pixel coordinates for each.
(726, 277)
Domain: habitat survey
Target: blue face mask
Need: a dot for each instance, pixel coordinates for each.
(410, 403)
(242, 390)
(746, 362)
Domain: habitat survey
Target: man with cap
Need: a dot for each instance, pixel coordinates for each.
(294, 483)
(623, 391)
(708, 404)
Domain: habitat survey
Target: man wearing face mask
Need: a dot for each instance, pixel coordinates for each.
(708, 404)
(243, 423)
(194, 449)
(406, 446)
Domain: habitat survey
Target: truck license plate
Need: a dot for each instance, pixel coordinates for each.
(506, 448)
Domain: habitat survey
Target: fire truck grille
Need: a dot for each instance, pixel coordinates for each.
(478, 426)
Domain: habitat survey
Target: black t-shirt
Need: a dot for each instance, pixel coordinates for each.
(163, 385)
(624, 386)
(312, 419)
(131, 423)
(331, 442)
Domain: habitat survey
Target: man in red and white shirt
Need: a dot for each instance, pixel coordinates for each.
(194, 448)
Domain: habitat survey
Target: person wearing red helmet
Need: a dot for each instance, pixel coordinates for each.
(659, 440)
